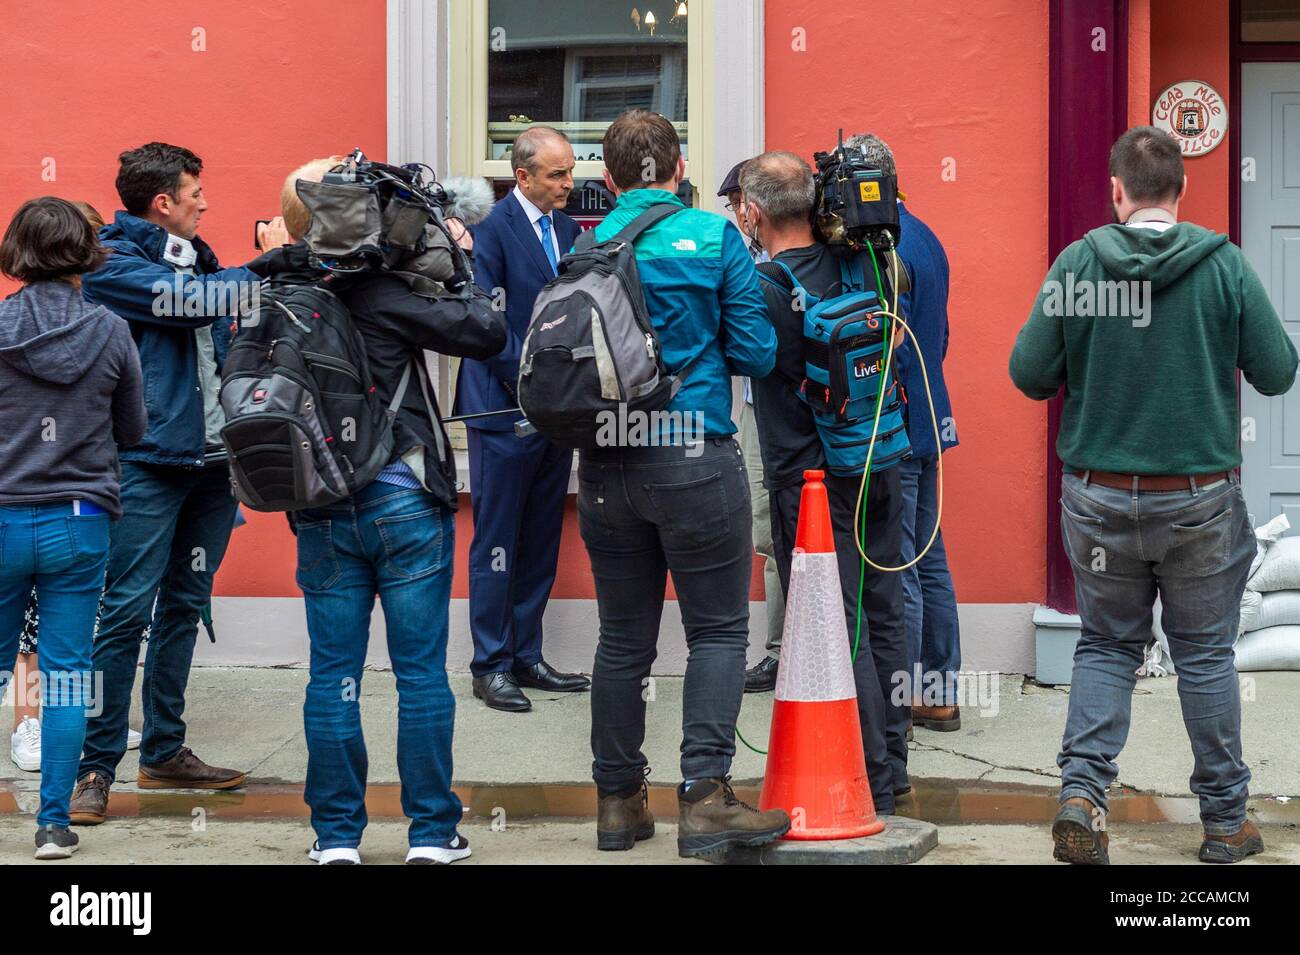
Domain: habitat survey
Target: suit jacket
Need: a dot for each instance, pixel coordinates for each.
(508, 255)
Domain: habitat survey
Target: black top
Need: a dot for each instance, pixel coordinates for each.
(396, 325)
(786, 431)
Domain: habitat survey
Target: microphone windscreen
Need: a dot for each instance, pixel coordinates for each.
(469, 198)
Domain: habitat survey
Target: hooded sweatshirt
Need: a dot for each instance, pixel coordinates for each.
(1146, 329)
(70, 387)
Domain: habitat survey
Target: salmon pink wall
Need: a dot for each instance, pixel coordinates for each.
(278, 84)
(947, 82)
(1189, 41)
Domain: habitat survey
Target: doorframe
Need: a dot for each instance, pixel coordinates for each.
(1240, 52)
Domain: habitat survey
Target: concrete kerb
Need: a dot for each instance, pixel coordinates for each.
(902, 842)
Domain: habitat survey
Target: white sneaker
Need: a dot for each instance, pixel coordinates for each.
(132, 739)
(453, 850)
(333, 856)
(25, 745)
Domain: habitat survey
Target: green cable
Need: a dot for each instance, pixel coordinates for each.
(866, 484)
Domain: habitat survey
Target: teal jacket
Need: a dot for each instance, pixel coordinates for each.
(702, 293)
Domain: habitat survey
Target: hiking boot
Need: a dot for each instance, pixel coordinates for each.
(187, 771)
(942, 719)
(55, 842)
(89, 803)
(1246, 841)
(623, 821)
(713, 820)
(1079, 832)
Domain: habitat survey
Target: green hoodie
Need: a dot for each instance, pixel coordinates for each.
(1146, 330)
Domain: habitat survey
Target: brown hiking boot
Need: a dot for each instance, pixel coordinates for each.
(89, 805)
(712, 820)
(1246, 841)
(623, 821)
(187, 771)
(943, 719)
(1079, 832)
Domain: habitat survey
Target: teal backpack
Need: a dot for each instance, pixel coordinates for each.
(844, 356)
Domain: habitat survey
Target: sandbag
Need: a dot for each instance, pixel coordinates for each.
(1280, 569)
(1278, 608)
(1273, 648)
(1251, 600)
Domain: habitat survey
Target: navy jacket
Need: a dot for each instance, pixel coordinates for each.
(925, 309)
(507, 255)
(128, 285)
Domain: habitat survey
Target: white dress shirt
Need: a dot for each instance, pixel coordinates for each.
(534, 214)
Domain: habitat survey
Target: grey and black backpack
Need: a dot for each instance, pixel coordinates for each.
(590, 345)
(304, 424)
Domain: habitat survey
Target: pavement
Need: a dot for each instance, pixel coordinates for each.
(525, 778)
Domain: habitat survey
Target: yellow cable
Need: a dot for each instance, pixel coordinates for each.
(875, 428)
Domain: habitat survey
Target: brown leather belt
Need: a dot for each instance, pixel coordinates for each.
(1150, 482)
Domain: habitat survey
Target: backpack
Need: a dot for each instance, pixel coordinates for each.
(591, 346)
(844, 350)
(304, 424)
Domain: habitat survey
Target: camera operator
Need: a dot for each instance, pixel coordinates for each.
(779, 197)
(394, 537)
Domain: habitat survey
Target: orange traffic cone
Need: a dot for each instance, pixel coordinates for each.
(815, 767)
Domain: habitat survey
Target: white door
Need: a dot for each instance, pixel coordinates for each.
(1270, 237)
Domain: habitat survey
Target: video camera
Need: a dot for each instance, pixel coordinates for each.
(372, 216)
(856, 203)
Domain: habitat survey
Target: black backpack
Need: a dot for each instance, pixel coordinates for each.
(304, 424)
(590, 345)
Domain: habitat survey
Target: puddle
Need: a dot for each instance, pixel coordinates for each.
(941, 801)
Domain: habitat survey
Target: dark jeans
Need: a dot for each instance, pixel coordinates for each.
(63, 555)
(399, 543)
(168, 545)
(880, 667)
(643, 512)
(930, 614)
(1194, 548)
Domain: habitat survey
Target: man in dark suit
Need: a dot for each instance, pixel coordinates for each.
(517, 485)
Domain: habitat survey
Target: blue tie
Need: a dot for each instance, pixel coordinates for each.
(549, 247)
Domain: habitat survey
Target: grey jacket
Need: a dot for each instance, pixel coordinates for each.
(70, 392)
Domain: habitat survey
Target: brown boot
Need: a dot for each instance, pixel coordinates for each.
(89, 806)
(1246, 841)
(712, 820)
(943, 719)
(187, 771)
(623, 821)
(1079, 832)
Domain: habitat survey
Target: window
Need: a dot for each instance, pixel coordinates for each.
(1270, 21)
(575, 65)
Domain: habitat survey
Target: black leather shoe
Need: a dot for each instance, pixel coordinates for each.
(540, 676)
(761, 678)
(500, 692)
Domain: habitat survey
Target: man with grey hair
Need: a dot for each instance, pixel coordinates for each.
(517, 485)
(930, 602)
(779, 195)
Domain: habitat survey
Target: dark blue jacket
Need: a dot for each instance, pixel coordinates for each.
(509, 256)
(925, 309)
(129, 284)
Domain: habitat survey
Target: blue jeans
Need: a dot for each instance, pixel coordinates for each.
(1194, 548)
(399, 543)
(64, 556)
(162, 557)
(930, 603)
